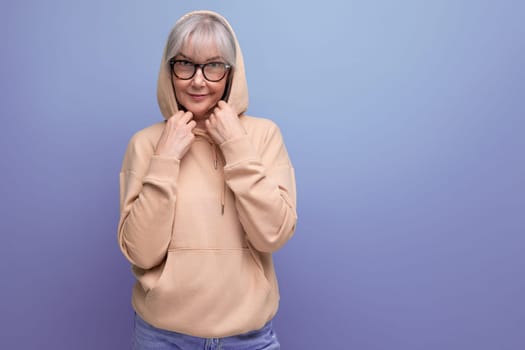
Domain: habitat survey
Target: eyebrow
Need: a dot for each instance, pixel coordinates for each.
(208, 60)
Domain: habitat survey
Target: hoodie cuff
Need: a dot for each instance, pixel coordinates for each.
(163, 168)
(238, 149)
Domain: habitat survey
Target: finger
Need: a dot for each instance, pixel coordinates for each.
(215, 122)
(207, 123)
(222, 104)
(175, 118)
(178, 115)
(211, 129)
(186, 117)
(183, 121)
(217, 109)
(192, 124)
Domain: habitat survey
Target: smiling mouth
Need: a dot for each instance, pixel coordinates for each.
(196, 97)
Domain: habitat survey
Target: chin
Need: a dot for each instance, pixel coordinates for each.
(200, 110)
(197, 116)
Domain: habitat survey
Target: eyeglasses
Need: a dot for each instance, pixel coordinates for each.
(212, 71)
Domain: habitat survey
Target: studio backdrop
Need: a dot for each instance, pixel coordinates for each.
(404, 121)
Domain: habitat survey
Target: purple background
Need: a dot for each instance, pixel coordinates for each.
(405, 121)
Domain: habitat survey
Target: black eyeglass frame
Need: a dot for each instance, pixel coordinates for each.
(201, 66)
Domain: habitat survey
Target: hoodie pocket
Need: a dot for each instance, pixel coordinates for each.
(200, 286)
(148, 278)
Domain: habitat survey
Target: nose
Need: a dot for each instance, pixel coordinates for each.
(198, 78)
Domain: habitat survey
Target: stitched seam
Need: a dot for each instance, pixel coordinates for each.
(206, 249)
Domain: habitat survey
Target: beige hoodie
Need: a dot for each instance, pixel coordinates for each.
(199, 232)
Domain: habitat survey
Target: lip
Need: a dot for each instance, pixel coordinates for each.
(197, 97)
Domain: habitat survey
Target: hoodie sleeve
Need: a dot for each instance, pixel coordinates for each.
(264, 186)
(147, 204)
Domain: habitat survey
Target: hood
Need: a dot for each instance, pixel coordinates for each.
(238, 98)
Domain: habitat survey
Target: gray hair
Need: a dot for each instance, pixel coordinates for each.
(202, 29)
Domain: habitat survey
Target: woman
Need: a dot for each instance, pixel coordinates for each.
(206, 197)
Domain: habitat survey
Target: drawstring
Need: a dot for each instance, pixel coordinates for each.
(215, 161)
(215, 165)
(216, 155)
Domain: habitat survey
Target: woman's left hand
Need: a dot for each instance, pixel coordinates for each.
(224, 124)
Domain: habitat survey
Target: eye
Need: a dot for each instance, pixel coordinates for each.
(216, 64)
(184, 63)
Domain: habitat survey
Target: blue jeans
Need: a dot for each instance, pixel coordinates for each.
(148, 337)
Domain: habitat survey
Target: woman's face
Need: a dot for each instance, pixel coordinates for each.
(197, 94)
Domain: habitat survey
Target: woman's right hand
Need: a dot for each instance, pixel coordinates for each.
(177, 136)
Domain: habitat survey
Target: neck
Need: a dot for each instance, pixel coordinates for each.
(200, 119)
(201, 123)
